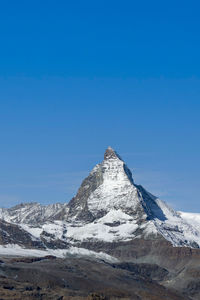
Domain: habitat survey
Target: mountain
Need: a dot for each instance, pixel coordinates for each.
(109, 198)
(113, 225)
(108, 207)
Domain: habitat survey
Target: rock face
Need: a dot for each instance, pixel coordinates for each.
(13, 234)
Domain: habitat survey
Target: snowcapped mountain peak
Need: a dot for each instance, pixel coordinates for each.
(109, 193)
(114, 164)
(117, 189)
(108, 207)
(110, 153)
(108, 186)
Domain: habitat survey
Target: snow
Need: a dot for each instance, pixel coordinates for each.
(114, 226)
(119, 226)
(92, 254)
(102, 232)
(32, 213)
(34, 231)
(16, 250)
(115, 216)
(116, 191)
(176, 228)
(191, 218)
(149, 229)
(56, 229)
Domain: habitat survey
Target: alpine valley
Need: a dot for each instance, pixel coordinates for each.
(113, 240)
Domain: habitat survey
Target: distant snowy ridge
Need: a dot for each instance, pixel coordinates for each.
(33, 213)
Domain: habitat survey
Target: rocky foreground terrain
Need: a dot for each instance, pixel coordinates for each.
(82, 278)
(113, 240)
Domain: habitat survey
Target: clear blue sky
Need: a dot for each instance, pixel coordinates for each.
(78, 76)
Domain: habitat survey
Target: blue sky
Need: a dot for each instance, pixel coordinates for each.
(78, 77)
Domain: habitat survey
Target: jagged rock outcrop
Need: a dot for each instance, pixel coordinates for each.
(13, 234)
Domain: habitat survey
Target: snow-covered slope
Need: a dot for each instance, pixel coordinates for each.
(33, 213)
(16, 250)
(108, 207)
(191, 218)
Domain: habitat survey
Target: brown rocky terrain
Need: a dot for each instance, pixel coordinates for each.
(181, 263)
(78, 278)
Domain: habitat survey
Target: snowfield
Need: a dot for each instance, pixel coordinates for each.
(181, 229)
(191, 218)
(16, 250)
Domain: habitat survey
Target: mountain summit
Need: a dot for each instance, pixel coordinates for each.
(108, 186)
(111, 153)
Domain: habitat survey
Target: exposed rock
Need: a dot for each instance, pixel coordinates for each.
(13, 234)
(81, 279)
